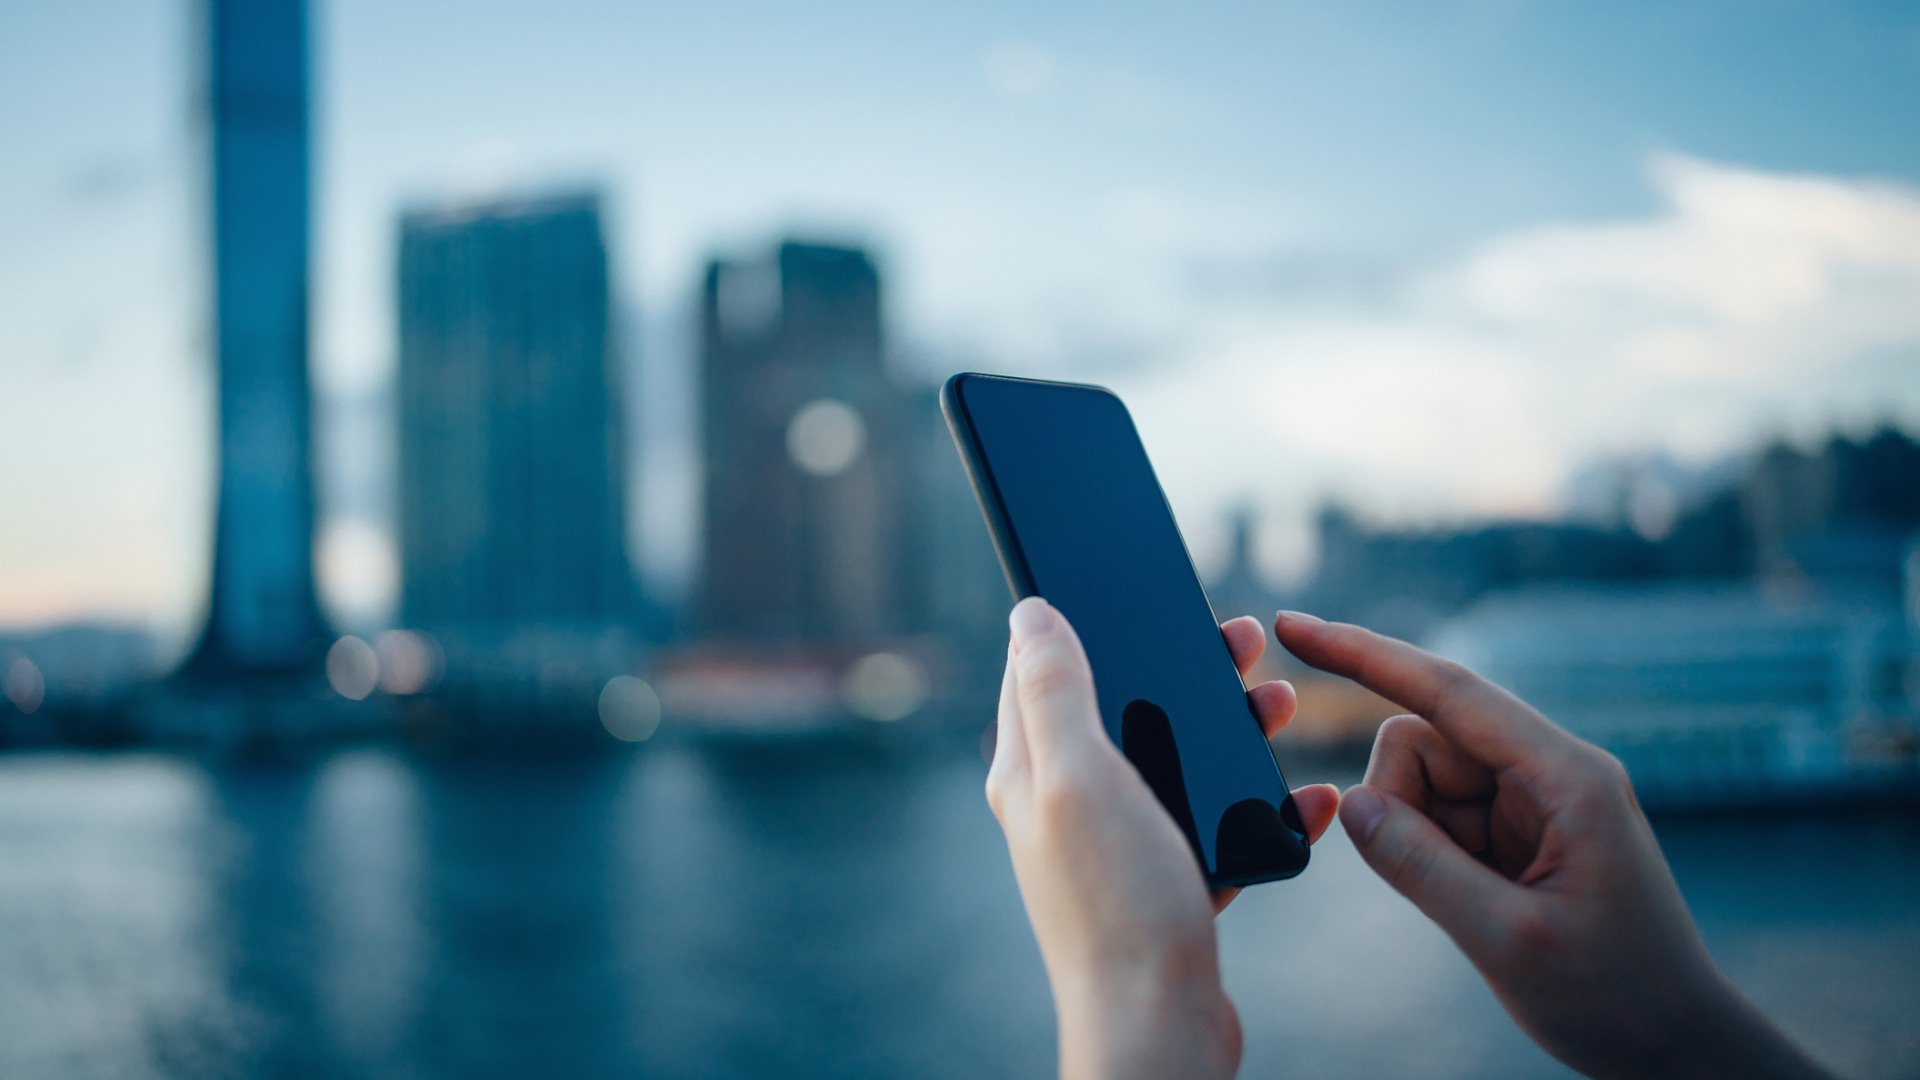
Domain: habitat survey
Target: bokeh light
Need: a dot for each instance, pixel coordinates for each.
(26, 687)
(885, 686)
(353, 668)
(629, 709)
(825, 437)
(409, 661)
(356, 568)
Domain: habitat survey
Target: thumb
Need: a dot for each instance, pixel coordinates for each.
(1059, 712)
(1422, 863)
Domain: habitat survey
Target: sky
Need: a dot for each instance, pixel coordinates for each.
(1430, 260)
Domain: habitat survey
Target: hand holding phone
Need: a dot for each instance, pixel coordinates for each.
(1124, 923)
(1522, 842)
(1078, 518)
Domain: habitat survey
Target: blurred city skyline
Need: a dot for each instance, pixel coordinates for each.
(488, 588)
(1432, 304)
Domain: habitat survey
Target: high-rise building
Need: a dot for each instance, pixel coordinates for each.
(511, 439)
(804, 504)
(263, 617)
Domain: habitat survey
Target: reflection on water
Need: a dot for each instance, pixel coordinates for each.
(367, 924)
(682, 912)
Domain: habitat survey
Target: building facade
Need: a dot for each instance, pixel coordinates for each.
(804, 493)
(511, 436)
(263, 615)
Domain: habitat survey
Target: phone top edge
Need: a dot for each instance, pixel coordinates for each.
(955, 383)
(953, 404)
(950, 393)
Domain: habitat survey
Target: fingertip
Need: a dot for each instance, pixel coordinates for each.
(1317, 804)
(1244, 624)
(1031, 618)
(1290, 627)
(1275, 704)
(1246, 640)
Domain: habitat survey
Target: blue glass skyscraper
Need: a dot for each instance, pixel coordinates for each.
(512, 447)
(263, 616)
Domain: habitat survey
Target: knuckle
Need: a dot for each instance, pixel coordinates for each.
(1060, 799)
(1599, 788)
(1451, 678)
(1530, 934)
(1402, 730)
(1604, 771)
(997, 795)
(1610, 769)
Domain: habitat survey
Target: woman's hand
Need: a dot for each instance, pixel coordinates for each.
(1527, 846)
(1121, 912)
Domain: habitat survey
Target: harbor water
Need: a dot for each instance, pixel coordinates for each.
(751, 911)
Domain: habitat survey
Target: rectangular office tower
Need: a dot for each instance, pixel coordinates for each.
(803, 529)
(511, 441)
(263, 617)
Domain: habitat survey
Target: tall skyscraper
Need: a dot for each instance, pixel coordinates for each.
(511, 441)
(263, 617)
(803, 483)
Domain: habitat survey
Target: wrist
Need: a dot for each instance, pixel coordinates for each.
(1728, 1036)
(1147, 1024)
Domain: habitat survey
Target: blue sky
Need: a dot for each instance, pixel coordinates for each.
(1429, 258)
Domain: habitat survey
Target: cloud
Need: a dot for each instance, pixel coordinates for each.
(1019, 69)
(1748, 304)
(1738, 260)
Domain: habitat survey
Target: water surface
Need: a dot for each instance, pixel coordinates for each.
(687, 911)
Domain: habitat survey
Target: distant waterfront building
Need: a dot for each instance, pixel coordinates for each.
(1840, 512)
(511, 440)
(805, 508)
(1721, 693)
(263, 616)
(1404, 581)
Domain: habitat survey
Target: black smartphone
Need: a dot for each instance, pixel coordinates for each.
(1079, 518)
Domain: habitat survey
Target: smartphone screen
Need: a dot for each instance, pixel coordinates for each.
(1079, 519)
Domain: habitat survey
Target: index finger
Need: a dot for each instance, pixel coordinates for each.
(1482, 719)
